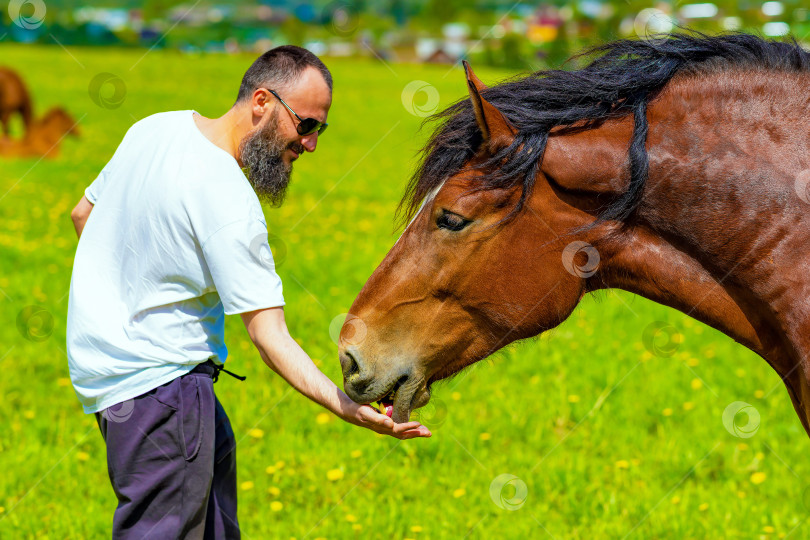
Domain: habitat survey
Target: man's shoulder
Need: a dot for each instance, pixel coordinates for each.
(147, 129)
(161, 120)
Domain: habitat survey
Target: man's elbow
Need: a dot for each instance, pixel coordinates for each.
(81, 211)
(266, 327)
(268, 338)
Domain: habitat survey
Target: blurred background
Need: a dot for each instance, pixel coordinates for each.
(499, 33)
(630, 420)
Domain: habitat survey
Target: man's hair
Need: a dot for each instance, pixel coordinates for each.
(278, 68)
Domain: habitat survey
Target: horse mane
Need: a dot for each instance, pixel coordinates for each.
(620, 81)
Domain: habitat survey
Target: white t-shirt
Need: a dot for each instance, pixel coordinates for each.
(175, 241)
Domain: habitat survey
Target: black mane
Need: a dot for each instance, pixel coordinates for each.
(622, 79)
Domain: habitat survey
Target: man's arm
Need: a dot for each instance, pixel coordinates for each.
(268, 330)
(80, 214)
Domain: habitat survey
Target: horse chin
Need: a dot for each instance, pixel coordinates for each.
(407, 399)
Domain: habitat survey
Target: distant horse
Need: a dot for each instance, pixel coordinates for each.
(530, 199)
(14, 98)
(43, 137)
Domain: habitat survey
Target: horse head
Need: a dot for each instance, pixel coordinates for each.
(470, 274)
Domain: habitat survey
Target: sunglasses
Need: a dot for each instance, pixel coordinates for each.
(306, 126)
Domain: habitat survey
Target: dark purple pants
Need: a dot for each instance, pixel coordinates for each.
(171, 456)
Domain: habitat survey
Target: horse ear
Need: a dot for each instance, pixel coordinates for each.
(498, 132)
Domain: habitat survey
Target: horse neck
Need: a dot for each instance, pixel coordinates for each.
(721, 232)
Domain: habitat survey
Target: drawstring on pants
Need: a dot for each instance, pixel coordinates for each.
(209, 367)
(218, 369)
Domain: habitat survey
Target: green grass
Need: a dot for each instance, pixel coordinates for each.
(608, 438)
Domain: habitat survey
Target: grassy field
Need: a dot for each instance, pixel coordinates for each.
(610, 437)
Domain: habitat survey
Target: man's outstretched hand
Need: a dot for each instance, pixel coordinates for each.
(268, 330)
(367, 417)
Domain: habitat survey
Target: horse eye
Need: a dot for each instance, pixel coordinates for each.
(451, 221)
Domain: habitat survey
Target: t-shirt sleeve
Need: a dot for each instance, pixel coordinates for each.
(241, 264)
(93, 191)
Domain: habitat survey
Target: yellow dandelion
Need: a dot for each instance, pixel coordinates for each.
(459, 493)
(667, 412)
(703, 507)
(356, 453)
(758, 477)
(279, 465)
(256, 433)
(768, 529)
(455, 396)
(646, 355)
(28, 414)
(740, 373)
(573, 398)
(323, 418)
(759, 394)
(276, 506)
(357, 527)
(246, 486)
(416, 529)
(62, 381)
(688, 406)
(82, 456)
(622, 464)
(759, 456)
(485, 436)
(742, 446)
(697, 384)
(741, 494)
(675, 500)
(274, 491)
(334, 474)
(351, 518)
(270, 470)
(692, 362)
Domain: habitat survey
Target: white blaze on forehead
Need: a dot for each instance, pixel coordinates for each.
(428, 198)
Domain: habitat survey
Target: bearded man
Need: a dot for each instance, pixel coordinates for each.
(172, 239)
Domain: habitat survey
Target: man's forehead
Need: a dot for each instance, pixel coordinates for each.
(311, 94)
(311, 82)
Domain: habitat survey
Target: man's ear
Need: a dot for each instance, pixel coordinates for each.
(262, 101)
(497, 131)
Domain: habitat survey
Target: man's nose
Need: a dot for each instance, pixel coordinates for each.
(310, 141)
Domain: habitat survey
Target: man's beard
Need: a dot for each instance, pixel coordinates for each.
(260, 152)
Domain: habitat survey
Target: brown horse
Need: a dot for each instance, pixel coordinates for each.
(14, 98)
(43, 137)
(530, 199)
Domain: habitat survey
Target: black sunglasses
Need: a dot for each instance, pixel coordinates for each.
(306, 126)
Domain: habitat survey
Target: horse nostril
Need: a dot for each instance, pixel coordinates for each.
(355, 379)
(351, 366)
